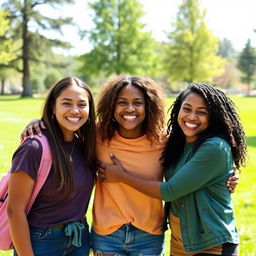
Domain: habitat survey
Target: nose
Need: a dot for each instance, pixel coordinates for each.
(192, 116)
(130, 107)
(74, 109)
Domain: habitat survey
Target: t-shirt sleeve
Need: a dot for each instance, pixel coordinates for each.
(208, 164)
(27, 158)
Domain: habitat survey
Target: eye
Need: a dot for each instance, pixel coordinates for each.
(82, 105)
(121, 103)
(202, 113)
(186, 109)
(66, 104)
(138, 103)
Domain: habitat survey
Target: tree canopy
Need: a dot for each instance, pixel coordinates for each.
(119, 41)
(191, 50)
(247, 64)
(28, 24)
(6, 44)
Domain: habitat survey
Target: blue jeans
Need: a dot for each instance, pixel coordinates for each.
(54, 242)
(128, 241)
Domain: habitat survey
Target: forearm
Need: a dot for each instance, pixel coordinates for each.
(20, 233)
(147, 187)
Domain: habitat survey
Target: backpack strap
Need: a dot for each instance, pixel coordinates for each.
(43, 171)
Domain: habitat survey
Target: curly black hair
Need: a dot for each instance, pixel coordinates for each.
(224, 122)
(155, 116)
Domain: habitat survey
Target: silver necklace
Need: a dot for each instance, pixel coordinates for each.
(70, 155)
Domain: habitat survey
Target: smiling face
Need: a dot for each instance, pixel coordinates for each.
(129, 112)
(193, 117)
(71, 110)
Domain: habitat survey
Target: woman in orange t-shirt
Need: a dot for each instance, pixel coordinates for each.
(125, 221)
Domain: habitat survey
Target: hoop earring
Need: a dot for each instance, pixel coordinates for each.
(113, 119)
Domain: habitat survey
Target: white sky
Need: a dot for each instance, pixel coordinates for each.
(232, 19)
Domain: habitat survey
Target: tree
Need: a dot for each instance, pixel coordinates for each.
(226, 49)
(28, 25)
(191, 50)
(6, 44)
(247, 64)
(119, 44)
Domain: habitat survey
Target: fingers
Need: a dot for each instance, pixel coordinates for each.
(41, 123)
(23, 135)
(27, 133)
(30, 131)
(231, 190)
(34, 127)
(115, 160)
(37, 129)
(38, 125)
(102, 177)
(232, 183)
(101, 174)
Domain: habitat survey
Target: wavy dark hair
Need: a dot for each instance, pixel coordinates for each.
(154, 109)
(224, 122)
(63, 174)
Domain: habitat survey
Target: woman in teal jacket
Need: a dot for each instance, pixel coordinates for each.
(206, 139)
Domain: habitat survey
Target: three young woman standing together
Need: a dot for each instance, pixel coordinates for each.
(131, 119)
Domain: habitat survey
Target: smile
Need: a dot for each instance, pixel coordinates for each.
(129, 117)
(73, 119)
(190, 125)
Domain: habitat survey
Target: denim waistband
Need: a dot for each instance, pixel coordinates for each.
(63, 225)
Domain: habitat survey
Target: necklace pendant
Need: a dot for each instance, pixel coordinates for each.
(70, 158)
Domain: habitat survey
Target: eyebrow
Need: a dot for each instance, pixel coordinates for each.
(123, 98)
(68, 99)
(198, 108)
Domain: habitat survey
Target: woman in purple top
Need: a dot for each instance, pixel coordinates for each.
(55, 224)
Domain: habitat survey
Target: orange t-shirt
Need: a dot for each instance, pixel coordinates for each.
(116, 204)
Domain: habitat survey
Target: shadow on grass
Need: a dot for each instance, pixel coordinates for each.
(251, 141)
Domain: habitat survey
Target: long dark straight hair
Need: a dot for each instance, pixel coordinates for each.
(63, 174)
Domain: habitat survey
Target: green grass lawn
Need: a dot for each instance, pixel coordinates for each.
(15, 113)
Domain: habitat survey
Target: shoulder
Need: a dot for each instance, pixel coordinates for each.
(29, 149)
(216, 143)
(31, 145)
(214, 148)
(27, 157)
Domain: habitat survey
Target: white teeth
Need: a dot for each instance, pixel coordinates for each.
(190, 125)
(129, 117)
(73, 119)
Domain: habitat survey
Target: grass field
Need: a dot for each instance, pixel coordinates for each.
(15, 113)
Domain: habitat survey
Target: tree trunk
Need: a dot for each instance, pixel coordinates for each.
(248, 89)
(27, 90)
(2, 86)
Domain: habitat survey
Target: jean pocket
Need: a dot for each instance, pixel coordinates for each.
(39, 234)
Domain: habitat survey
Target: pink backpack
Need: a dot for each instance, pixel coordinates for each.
(43, 171)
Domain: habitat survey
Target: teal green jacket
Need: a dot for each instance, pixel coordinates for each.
(197, 190)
